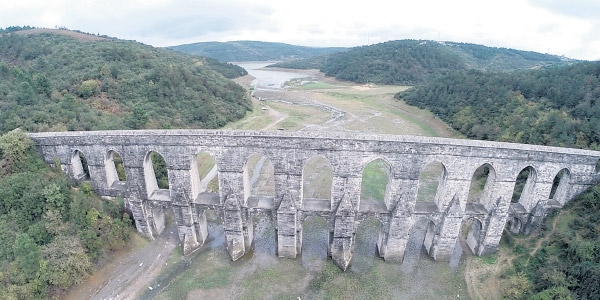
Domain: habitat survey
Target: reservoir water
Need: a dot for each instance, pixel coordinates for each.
(268, 78)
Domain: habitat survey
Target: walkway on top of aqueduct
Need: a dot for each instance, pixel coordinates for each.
(554, 176)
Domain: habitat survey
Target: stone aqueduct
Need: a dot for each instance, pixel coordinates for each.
(347, 153)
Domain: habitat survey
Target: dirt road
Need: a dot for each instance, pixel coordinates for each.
(128, 273)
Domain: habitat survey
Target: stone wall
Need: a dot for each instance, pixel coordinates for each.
(348, 154)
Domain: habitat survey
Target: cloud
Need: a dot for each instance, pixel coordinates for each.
(587, 9)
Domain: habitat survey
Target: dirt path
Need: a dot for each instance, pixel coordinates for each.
(128, 273)
(278, 116)
(540, 241)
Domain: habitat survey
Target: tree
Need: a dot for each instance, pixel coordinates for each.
(27, 253)
(65, 262)
(14, 147)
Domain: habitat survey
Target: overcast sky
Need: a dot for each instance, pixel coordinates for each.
(561, 27)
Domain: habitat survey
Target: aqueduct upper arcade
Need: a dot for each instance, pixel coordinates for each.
(554, 176)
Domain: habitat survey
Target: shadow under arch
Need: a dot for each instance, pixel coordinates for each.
(375, 186)
(79, 166)
(259, 181)
(481, 188)
(419, 244)
(431, 182)
(514, 224)
(366, 244)
(317, 182)
(560, 187)
(115, 170)
(316, 237)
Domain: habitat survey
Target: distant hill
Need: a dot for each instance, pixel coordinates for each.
(557, 106)
(53, 79)
(416, 61)
(252, 51)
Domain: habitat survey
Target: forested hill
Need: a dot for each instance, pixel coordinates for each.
(252, 51)
(53, 80)
(416, 61)
(555, 106)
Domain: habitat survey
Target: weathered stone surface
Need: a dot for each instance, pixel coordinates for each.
(347, 153)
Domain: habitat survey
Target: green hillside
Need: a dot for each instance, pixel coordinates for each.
(50, 233)
(252, 51)
(54, 80)
(556, 106)
(416, 61)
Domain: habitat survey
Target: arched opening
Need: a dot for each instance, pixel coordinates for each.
(366, 245)
(597, 169)
(419, 243)
(524, 184)
(514, 225)
(482, 185)
(79, 166)
(375, 186)
(560, 186)
(156, 177)
(259, 181)
(315, 241)
(471, 230)
(431, 180)
(205, 180)
(317, 178)
(115, 171)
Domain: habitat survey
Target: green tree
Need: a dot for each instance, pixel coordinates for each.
(14, 147)
(28, 254)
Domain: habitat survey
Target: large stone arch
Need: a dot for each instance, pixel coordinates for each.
(317, 183)
(560, 186)
(523, 192)
(153, 191)
(482, 185)
(204, 174)
(259, 176)
(112, 160)
(79, 167)
(431, 183)
(375, 191)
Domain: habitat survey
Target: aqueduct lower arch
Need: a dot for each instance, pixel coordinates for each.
(347, 154)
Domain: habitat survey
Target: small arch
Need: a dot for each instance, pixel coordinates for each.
(375, 186)
(597, 168)
(514, 225)
(204, 173)
(482, 185)
(431, 181)
(259, 177)
(560, 186)
(115, 171)
(420, 240)
(473, 235)
(79, 166)
(524, 185)
(156, 176)
(317, 179)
